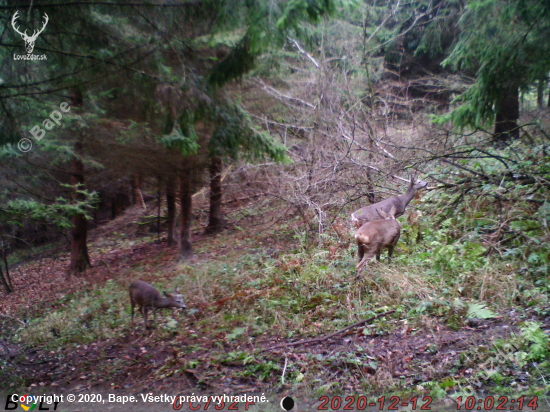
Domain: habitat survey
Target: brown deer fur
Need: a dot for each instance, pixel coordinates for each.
(373, 236)
(370, 213)
(146, 296)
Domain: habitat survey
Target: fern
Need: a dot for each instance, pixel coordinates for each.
(540, 343)
(479, 311)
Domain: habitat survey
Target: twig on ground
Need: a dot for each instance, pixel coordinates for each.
(324, 338)
(284, 371)
(12, 318)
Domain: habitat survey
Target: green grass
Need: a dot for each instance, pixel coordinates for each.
(240, 293)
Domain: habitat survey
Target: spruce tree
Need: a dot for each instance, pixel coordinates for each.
(505, 43)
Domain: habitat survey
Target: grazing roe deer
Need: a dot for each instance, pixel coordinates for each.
(146, 296)
(370, 213)
(373, 236)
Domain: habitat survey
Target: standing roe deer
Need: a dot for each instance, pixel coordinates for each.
(146, 296)
(373, 236)
(369, 213)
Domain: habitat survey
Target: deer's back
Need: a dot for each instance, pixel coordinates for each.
(142, 293)
(385, 232)
(370, 213)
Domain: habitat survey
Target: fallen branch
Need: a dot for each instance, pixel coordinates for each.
(12, 318)
(324, 338)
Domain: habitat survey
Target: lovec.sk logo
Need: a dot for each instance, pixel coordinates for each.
(29, 40)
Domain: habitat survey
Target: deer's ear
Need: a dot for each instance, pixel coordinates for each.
(176, 290)
(168, 295)
(381, 213)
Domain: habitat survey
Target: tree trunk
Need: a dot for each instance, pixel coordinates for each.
(159, 205)
(5, 282)
(138, 196)
(540, 94)
(171, 214)
(114, 206)
(186, 200)
(80, 260)
(370, 156)
(506, 126)
(215, 217)
(5, 259)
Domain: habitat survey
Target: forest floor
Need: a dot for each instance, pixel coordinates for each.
(250, 292)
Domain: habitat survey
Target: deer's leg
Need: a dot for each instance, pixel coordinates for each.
(145, 316)
(360, 251)
(360, 265)
(390, 252)
(366, 259)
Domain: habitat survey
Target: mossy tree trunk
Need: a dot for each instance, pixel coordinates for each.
(171, 212)
(215, 218)
(186, 200)
(80, 260)
(506, 122)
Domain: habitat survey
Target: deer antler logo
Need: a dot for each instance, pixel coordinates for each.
(29, 40)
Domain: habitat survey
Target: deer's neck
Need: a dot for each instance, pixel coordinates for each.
(407, 197)
(163, 303)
